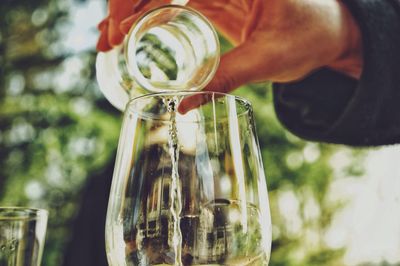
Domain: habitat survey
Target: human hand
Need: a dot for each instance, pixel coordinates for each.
(276, 40)
(287, 40)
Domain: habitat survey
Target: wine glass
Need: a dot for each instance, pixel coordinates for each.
(188, 189)
(22, 234)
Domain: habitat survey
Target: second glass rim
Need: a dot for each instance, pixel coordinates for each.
(147, 116)
(26, 213)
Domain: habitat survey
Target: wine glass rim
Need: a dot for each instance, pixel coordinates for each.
(130, 108)
(12, 213)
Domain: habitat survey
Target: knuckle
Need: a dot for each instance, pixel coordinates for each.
(224, 83)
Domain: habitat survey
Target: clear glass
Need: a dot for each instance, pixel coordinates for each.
(171, 48)
(213, 189)
(22, 234)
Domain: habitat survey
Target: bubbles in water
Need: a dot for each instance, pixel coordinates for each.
(13, 245)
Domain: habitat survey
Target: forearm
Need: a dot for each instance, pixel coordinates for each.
(333, 108)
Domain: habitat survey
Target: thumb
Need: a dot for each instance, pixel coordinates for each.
(235, 69)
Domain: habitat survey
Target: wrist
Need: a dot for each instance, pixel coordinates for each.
(350, 58)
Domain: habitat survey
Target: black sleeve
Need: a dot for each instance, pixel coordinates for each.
(331, 107)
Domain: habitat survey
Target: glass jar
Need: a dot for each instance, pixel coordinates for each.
(171, 48)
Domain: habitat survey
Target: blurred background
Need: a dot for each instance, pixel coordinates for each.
(331, 205)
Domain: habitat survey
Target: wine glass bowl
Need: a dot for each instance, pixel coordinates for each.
(188, 189)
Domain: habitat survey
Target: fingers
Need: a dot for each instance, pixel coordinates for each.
(140, 5)
(126, 24)
(119, 10)
(102, 43)
(140, 8)
(191, 102)
(227, 16)
(110, 33)
(236, 68)
(115, 36)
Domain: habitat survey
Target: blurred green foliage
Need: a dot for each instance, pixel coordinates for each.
(57, 130)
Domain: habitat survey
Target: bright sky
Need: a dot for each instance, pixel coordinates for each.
(369, 225)
(82, 34)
